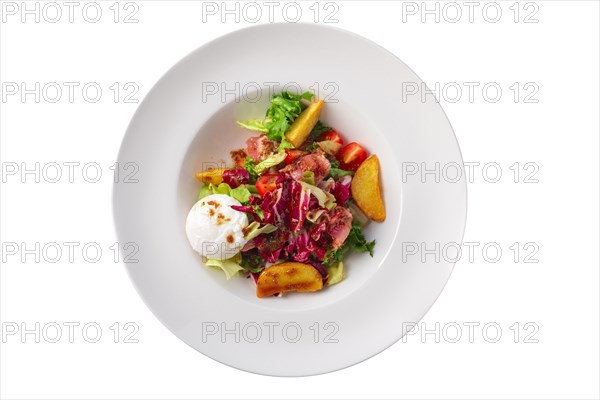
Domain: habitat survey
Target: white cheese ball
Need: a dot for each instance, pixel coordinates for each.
(214, 229)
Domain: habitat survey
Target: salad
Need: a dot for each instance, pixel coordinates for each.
(291, 206)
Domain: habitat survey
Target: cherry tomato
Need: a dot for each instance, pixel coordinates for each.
(292, 155)
(333, 136)
(266, 183)
(351, 156)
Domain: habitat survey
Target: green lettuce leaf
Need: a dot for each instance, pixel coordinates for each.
(256, 125)
(231, 266)
(271, 161)
(285, 144)
(337, 173)
(289, 104)
(309, 177)
(325, 199)
(240, 193)
(206, 190)
(336, 273)
(254, 229)
(259, 212)
(223, 188)
(314, 215)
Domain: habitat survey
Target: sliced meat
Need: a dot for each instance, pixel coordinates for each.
(339, 225)
(259, 147)
(238, 157)
(317, 163)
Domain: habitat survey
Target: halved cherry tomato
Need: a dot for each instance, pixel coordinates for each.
(292, 155)
(266, 183)
(351, 156)
(331, 135)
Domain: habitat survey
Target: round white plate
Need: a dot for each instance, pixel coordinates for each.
(188, 120)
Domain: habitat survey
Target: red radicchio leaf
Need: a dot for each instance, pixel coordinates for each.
(275, 203)
(320, 251)
(298, 207)
(303, 247)
(281, 203)
(283, 177)
(254, 200)
(236, 177)
(248, 210)
(267, 207)
(254, 277)
(341, 190)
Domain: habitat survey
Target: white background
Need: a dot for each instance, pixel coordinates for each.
(558, 54)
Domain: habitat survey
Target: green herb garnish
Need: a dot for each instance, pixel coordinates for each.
(250, 165)
(337, 173)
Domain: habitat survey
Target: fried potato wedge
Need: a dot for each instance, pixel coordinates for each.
(366, 189)
(214, 176)
(305, 122)
(288, 277)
